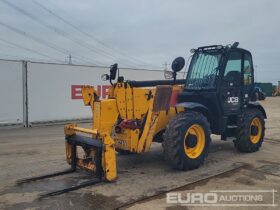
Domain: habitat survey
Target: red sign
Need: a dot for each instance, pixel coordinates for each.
(76, 91)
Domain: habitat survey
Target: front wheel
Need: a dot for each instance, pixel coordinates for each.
(186, 140)
(251, 131)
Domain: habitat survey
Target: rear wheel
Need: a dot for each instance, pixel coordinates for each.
(186, 140)
(251, 131)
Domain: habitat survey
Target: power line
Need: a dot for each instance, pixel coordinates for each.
(55, 29)
(87, 34)
(70, 24)
(28, 49)
(15, 57)
(43, 42)
(11, 56)
(18, 31)
(34, 18)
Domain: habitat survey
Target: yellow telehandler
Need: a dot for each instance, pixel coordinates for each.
(216, 97)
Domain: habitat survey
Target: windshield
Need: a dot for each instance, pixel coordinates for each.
(203, 70)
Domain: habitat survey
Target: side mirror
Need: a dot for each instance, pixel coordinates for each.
(168, 74)
(178, 64)
(113, 71)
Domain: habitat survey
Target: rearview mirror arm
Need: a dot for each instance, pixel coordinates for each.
(174, 76)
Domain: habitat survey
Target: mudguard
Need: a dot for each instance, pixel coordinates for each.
(193, 106)
(257, 105)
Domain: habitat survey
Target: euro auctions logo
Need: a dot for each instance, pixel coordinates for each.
(234, 198)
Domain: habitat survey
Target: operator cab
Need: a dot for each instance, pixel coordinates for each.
(220, 80)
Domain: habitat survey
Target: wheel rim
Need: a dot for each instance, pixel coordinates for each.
(195, 151)
(256, 122)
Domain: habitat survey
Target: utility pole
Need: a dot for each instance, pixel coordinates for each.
(69, 58)
(165, 65)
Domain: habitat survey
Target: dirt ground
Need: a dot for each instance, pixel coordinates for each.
(143, 180)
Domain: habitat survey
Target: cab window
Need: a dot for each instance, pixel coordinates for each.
(247, 70)
(232, 74)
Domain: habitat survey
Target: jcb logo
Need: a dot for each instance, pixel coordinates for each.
(233, 100)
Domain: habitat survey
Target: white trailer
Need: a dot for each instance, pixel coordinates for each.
(54, 90)
(34, 92)
(11, 92)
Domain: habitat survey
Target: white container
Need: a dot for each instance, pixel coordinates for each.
(11, 92)
(54, 89)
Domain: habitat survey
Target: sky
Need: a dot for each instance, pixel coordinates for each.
(139, 34)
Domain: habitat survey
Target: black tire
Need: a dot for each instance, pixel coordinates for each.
(174, 140)
(243, 141)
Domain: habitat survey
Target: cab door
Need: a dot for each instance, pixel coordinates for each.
(248, 78)
(232, 83)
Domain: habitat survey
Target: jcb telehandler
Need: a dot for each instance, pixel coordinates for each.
(216, 97)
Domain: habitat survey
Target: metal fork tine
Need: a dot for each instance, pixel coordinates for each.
(72, 188)
(31, 179)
